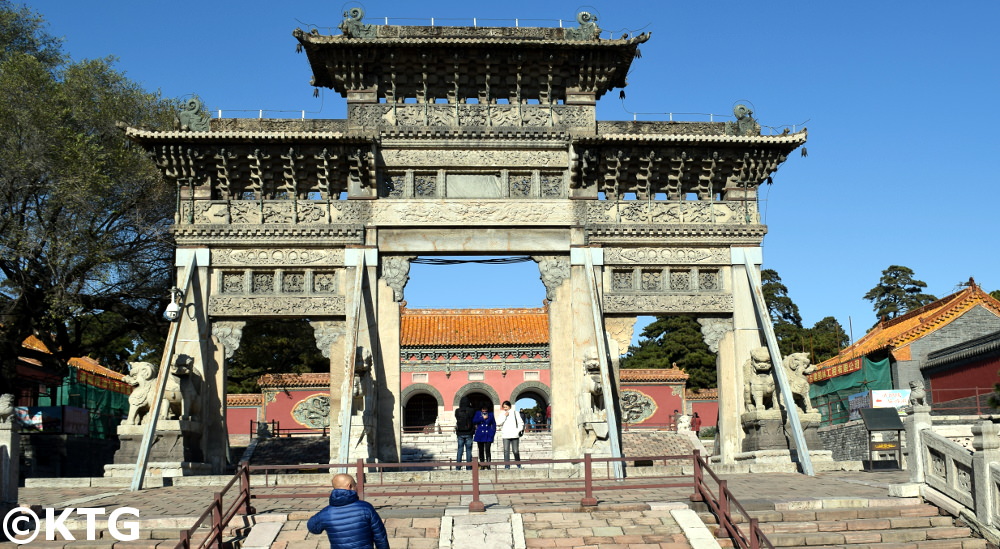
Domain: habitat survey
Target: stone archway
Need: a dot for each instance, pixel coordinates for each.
(469, 389)
(421, 406)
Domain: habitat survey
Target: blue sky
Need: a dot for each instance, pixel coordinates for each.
(903, 142)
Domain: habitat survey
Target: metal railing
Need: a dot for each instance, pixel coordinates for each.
(721, 502)
(370, 479)
(220, 516)
(275, 429)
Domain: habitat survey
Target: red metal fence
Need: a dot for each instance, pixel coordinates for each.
(371, 479)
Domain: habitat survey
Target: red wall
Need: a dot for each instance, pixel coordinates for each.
(965, 380)
(666, 402)
(238, 419)
(449, 386)
(280, 409)
(708, 411)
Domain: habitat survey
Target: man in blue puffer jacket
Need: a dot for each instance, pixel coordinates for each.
(349, 522)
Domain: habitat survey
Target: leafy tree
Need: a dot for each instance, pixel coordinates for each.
(995, 294)
(273, 347)
(784, 312)
(826, 338)
(898, 292)
(781, 307)
(674, 339)
(85, 254)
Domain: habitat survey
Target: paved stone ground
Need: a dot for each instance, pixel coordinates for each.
(623, 519)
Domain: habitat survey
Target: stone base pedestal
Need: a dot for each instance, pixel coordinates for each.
(10, 459)
(158, 469)
(770, 430)
(176, 450)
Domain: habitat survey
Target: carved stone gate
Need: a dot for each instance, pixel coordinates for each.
(468, 141)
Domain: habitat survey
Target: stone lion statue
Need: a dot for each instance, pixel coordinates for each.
(141, 376)
(6, 407)
(759, 388)
(797, 366)
(918, 394)
(180, 396)
(758, 384)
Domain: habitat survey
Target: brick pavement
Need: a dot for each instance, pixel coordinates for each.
(622, 521)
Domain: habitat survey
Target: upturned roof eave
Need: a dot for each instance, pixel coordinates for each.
(145, 136)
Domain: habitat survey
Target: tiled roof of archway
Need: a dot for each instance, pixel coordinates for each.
(85, 363)
(473, 327)
(252, 399)
(88, 364)
(899, 332)
(652, 374)
(273, 381)
(702, 394)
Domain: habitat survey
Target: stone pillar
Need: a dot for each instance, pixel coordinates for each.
(565, 364)
(729, 381)
(918, 420)
(986, 446)
(10, 459)
(389, 416)
(718, 335)
(747, 336)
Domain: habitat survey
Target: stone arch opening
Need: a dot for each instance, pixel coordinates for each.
(478, 393)
(421, 404)
(420, 412)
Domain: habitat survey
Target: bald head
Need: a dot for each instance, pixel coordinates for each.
(343, 481)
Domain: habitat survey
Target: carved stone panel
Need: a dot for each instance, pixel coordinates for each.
(277, 256)
(276, 306)
(667, 256)
(485, 212)
(636, 406)
(481, 158)
(668, 304)
(229, 332)
(654, 212)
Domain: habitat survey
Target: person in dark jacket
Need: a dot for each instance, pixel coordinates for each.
(349, 522)
(464, 429)
(486, 431)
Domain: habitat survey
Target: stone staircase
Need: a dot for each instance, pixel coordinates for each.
(882, 523)
(443, 446)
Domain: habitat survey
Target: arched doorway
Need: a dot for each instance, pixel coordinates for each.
(420, 412)
(534, 408)
(478, 400)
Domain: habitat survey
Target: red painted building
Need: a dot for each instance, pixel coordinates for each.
(487, 355)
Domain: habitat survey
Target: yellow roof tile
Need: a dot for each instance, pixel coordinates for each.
(473, 327)
(652, 374)
(901, 331)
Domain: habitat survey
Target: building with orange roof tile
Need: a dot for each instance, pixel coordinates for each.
(487, 355)
(909, 347)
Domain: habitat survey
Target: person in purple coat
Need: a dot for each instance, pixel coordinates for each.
(349, 522)
(486, 431)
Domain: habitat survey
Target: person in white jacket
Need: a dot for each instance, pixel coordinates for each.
(511, 426)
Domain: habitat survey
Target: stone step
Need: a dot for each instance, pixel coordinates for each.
(896, 527)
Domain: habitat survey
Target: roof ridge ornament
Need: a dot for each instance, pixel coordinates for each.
(352, 27)
(588, 29)
(744, 124)
(192, 116)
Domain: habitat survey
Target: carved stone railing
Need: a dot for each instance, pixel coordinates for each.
(966, 483)
(948, 468)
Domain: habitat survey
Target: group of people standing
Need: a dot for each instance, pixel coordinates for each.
(481, 427)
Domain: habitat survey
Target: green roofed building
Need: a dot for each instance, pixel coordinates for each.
(894, 354)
